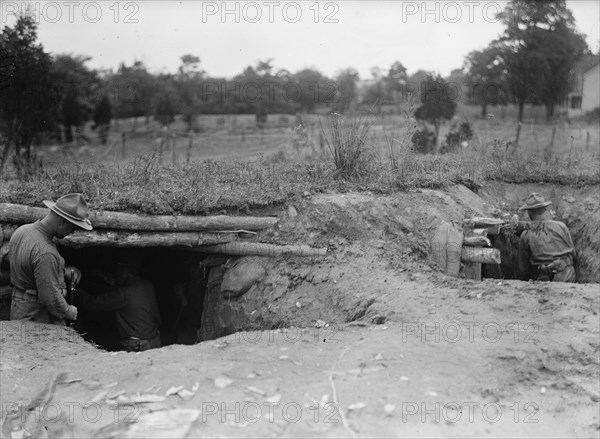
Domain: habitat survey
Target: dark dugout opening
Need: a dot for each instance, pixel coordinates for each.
(507, 241)
(179, 280)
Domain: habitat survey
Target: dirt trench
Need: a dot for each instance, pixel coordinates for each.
(358, 322)
(372, 237)
(369, 239)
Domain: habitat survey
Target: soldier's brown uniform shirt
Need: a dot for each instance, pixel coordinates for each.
(37, 273)
(544, 242)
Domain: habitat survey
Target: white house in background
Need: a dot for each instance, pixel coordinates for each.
(590, 94)
(573, 102)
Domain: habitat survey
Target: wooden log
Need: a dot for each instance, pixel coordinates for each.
(483, 255)
(483, 222)
(257, 249)
(477, 241)
(111, 238)
(16, 213)
(479, 232)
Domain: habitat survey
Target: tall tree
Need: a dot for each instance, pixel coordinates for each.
(136, 92)
(395, 83)
(539, 48)
(77, 84)
(437, 104)
(486, 78)
(346, 89)
(102, 118)
(189, 84)
(28, 99)
(165, 110)
(311, 88)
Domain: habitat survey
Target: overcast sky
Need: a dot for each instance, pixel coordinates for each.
(327, 36)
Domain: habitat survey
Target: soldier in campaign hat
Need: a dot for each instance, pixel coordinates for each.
(546, 248)
(37, 271)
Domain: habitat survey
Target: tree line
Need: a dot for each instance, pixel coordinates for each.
(44, 96)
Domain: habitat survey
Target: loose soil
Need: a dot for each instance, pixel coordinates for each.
(407, 351)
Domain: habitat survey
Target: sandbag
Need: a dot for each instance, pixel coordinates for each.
(446, 247)
(240, 276)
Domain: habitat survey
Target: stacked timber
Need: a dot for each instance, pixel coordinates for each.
(210, 234)
(461, 251)
(478, 247)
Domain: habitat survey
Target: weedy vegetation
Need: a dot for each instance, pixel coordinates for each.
(331, 153)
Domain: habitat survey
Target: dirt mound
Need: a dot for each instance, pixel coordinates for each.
(371, 240)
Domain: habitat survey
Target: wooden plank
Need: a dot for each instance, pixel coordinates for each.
(16, 213)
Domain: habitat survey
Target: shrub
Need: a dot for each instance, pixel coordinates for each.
(456, 136)
(346, 142)
(423, 141)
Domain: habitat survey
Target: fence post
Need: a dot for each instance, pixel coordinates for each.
(518, 135)
(189, 151)
(587, 141)
(124, 145)
(552, 138)
(173, 151)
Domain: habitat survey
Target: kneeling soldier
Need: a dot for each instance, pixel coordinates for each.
(546, 248)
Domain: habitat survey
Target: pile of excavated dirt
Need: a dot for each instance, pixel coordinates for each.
(374, 238)
(372, 341)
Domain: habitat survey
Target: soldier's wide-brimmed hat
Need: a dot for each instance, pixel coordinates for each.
(534, 201)
(73, 208)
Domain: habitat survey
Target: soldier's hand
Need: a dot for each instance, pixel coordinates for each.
(72, 313)
(76, 275)
(551, 267)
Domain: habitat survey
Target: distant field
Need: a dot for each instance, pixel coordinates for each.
(235, 137)
(235, 166)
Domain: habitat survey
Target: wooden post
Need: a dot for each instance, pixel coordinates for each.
(124, 145)
(189, 150)
(173, 150)
(587, 141)
(552, 138)
(518, 135)
(160, 149)
(571, 148)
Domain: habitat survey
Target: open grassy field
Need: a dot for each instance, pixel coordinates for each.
(226, 162)
(236, 137)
